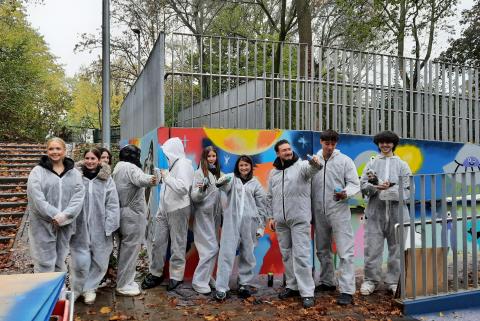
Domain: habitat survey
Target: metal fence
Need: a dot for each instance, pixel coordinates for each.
(443, 245)
(197, 80)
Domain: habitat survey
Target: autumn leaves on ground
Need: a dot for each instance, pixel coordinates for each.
(184, 304)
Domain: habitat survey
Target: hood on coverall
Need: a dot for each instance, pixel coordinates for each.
(173, 150)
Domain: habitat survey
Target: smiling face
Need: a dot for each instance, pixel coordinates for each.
(212, 157)
(105, 158)
(285, 152)
(56, 152)
(91, 161)
(386, 148)
(244, 168)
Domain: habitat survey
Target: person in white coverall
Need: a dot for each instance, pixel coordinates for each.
(331, 189)
(245, 212)
(172, 217)
(130, 182)
(207, 218)
(55, 198)
(92, 243)
(289, 202)
(379, 182)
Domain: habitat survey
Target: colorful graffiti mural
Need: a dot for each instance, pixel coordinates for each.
(423, 157)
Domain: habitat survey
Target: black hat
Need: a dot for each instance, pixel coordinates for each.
(131, 154)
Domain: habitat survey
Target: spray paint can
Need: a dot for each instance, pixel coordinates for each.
(270, 279)
(337, 190)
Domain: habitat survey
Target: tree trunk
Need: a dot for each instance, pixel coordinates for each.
(304, 18)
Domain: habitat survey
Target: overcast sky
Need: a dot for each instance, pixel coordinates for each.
(62, 22)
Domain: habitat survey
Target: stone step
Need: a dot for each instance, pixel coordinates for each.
(8, 195)
(8, 179)
(22, 146)
(20, 160)
(22, 156)
(9, 186)
(7, 226)
(6, 150)
(23, 166)
(12, 214)
(12, 204)
(6, 239)
(15, 171)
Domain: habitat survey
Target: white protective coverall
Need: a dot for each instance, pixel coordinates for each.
(48, 195)
(130, 182)
(332, 218)
(245, 212)
(381, 217)
(289, 201)
(206, 225)
(173, 213)
(92, 243)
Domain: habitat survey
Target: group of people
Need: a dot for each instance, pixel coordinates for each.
(78, 208)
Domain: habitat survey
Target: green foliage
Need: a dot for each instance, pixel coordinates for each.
(466, 49)
(33, 94)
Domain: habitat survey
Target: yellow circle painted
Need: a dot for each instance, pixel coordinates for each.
(243, 141)
(412, 155)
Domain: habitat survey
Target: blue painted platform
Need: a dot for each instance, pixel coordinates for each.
(447, 302)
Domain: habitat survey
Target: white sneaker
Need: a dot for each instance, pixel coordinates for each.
(392, 288)
(89, 297)
(131, 289)
(367, 288)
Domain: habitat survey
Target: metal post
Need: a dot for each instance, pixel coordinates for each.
(106, 74)
(139, 62)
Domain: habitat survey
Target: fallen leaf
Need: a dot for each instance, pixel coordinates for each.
(209, 317)
(105, 310)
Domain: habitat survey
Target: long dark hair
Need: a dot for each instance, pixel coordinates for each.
(94, 151)
(204, 162)
(103, 150)
(246, 159)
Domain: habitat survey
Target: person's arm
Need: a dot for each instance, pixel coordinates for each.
(139, 178)
(308, 169)
(36, 196)
(197, 193)
(352, 183)
(269, 204)
(260, 201)
(180, 184)
(75, 204)
(405, 173)
(112, 208)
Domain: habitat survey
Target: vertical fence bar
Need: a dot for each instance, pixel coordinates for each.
(413, 262)
(182, 84)
(464, 231)
(401, 236)
(229, 68)
(426, 96)
(297, 92)
(237, 72)
(367, 99)
(389, 84)
(255, 92)
(423, 233)
(335, 91)
(327, 91)
(476, 108)
(473, 204)
(457, 105)
(272, 90)
(413, 129)
(382, 95)
(359, 95)
(451, 118)
(352, 93)
(395, 95)
(444, 233)
(454, 237)
(220, 73)
(374, 119)
(431, 116)
(470, 106)
(210, 85)
(433, 207)
(192, 100)
(320, 89)
(247, 81)
(344, 93)
(290, 87)
(463, 109)
(437, 104)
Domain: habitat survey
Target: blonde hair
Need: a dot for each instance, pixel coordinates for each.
(57, 140)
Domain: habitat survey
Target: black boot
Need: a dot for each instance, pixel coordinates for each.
(308, 302)
(151, 281)
(288, 293)
(344, 299)
(244, 291)
(173, 284)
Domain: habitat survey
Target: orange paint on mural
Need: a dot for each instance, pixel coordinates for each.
(266, 138)
(261, 172)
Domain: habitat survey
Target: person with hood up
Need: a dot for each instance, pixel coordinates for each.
(172, 218)
(289, 202)
(379, 182)
(246, 211)
(130, 182)
(332, 217)
(207, 217)
(55, 198)
(92, 243)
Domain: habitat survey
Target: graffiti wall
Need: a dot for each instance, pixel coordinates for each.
(423, 157)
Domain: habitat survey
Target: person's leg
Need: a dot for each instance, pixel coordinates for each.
(99, 263)
(323, 242)
(343, 236)
(246, 262)
(226, 256)
(302, 257)
(43, 244)
(284, 236)
(178, 225)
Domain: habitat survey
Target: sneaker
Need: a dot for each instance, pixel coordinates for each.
(344, 299)
(131, 289)
(288, 293)
(89, 297)
(392, 288)
(308, 302)
(220, 296)
(367, 288)
(325, 288)
(244, 291)
(151, 281)
(173, 284)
